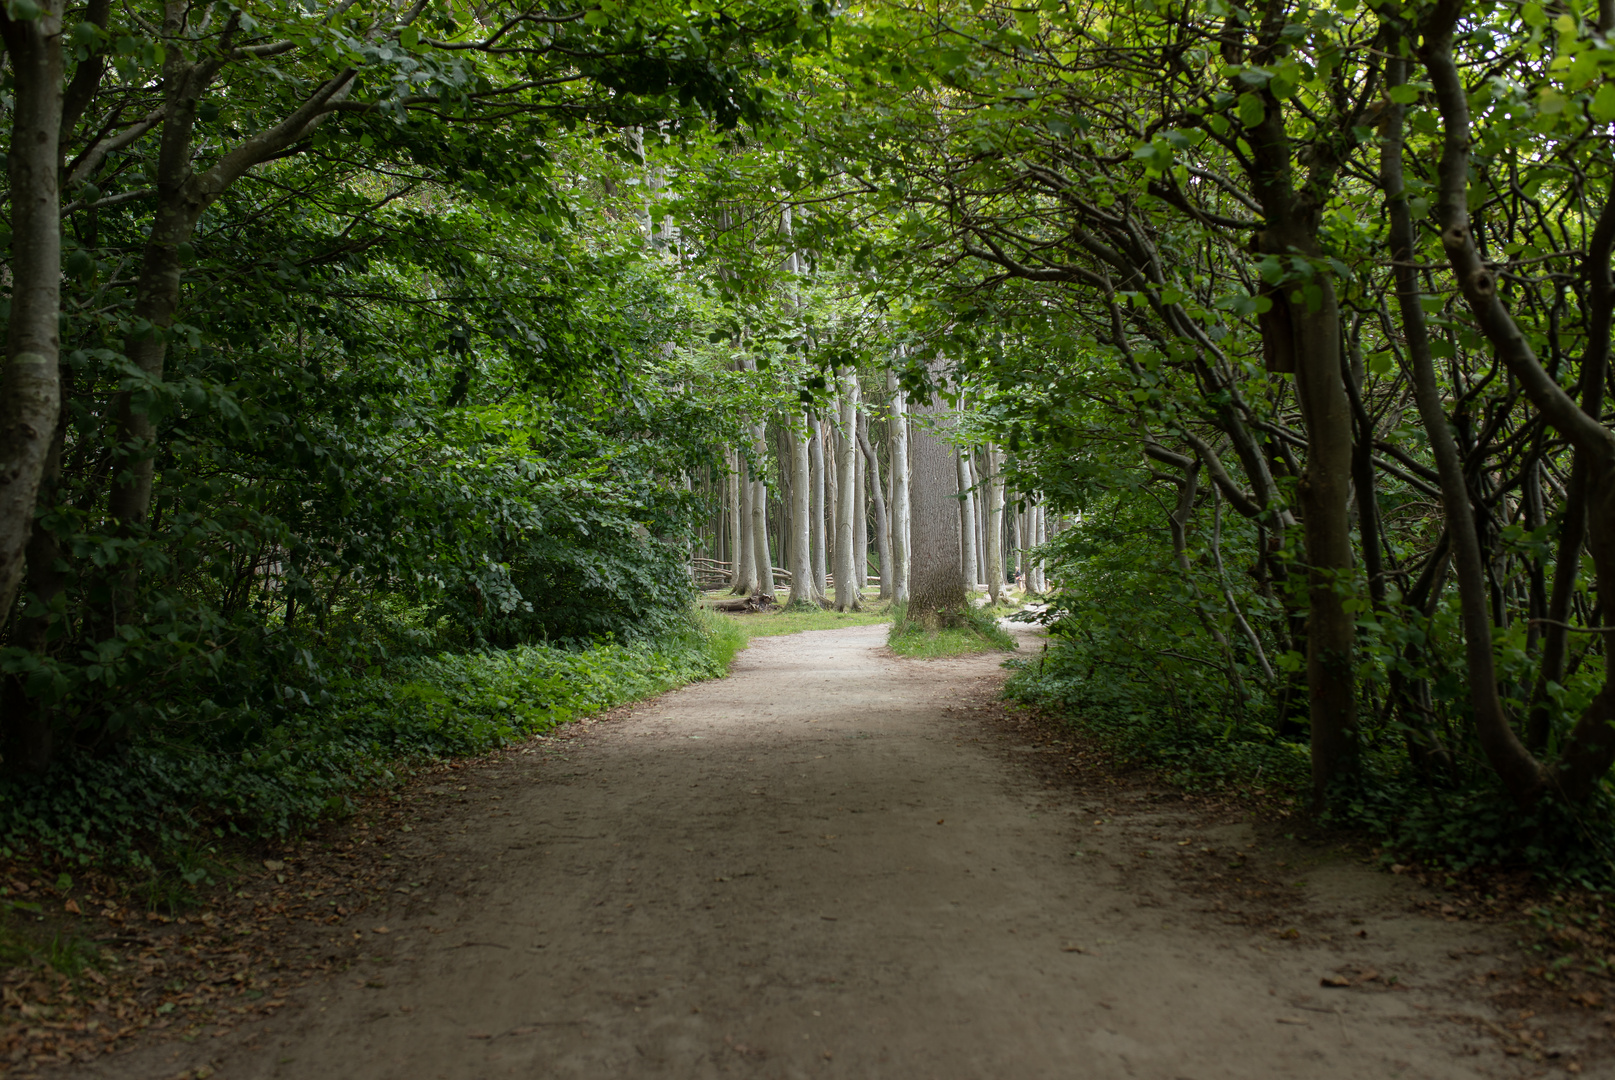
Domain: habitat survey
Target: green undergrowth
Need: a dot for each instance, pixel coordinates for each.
(960, 633)
(1465, 828)
(1195, 749)
(169, 808)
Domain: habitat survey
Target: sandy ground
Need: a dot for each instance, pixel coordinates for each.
(827, 866)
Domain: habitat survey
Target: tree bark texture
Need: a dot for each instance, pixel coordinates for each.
(1304, 326)
(759, 515)
(860, 517)
(995, 525)
(883, 531)
(746, 574)
(802, 592)
(968, 562)
(30, 388)
(898, 429)
(816, 511)
(936, 578)
(849, 574)
(1588, 751)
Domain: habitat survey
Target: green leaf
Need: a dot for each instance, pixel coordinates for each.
(1603, 103)
(1251, 111)
(1404, 94)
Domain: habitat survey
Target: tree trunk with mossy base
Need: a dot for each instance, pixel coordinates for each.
(936, 578)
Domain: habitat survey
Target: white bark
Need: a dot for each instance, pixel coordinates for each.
(899, 511)
(816, 462)
(995, 525)
(759, 515)
(848, 578)
(832, 490)
(883, 517)
(967, 517)
(936, 584)
(802, 591)
(732, 517)
(746, 561)
(860, 502)
(1039, 537)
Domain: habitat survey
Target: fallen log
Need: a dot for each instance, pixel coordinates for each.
(739, 604)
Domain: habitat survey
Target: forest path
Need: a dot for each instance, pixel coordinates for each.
(830, 865)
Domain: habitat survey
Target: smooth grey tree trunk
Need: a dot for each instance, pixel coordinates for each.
(746, 576)
(816, 462)
(995, 525)
(733, 509)
(1037, 541)
(900, 500)
(847, 570)
(883, 530)
(759, 516)
(1012, 549)
(832, 495)
(936, 579)
(849, 577)
(860, 515)
(30, 389)
(802, 591)
(967, 517)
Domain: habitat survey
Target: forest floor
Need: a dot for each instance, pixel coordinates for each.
(839, 863)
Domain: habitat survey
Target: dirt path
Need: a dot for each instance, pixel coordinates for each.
(823, 866)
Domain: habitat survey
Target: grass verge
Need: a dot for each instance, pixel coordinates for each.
(170, 810)
(949, 634)
(795, 621)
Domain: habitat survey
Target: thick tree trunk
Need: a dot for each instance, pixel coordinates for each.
(1325, 492)
(759, 516)
(995, 525)
(26, 735)
(967, 518)
(746, 562)
(1304, 327)
(736, 511)
(936, 578)
(1589, 750)
(883, 530)
(802, 592)
(849, 574)
(816, 463)
(860, 519)
(900, 501)
(832, 494)
(30, 388)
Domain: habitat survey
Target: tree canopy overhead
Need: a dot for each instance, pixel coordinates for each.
(344, 331)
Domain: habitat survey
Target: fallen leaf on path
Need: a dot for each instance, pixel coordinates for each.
(939, 821)
(1334, 980)
(1072, 948)
(381, 930)
(1293, 1020)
